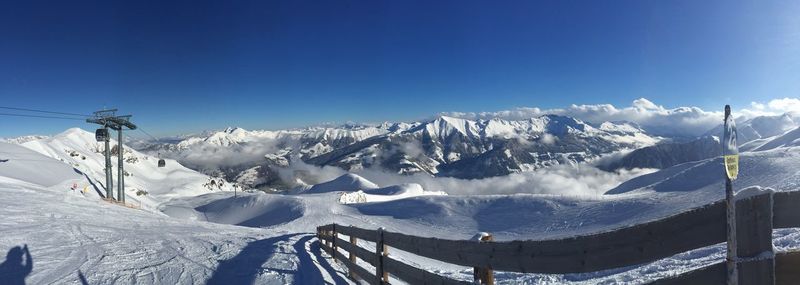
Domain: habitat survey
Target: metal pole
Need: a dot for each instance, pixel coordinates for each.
(730, 202)
(109, 181)
(121, 177)
(733, 275)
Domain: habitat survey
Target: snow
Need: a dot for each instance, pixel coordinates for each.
(752, 191)
(79, 149)
(788, 139)
(72, 237)
(190, 234)
(26, 165)
(347, 182)
(389, 193)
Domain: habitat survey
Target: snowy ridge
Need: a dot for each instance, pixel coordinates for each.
(146, 184)
(443, 146)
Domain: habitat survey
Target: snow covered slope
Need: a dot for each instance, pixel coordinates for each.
(72, 238)
(345, 183)
(23, 164)
(146, 184)
(788, 139)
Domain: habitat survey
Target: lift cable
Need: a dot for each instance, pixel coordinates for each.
(39, 116)
(43, 111)
(148, 134)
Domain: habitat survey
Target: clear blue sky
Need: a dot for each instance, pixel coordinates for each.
(184, 66)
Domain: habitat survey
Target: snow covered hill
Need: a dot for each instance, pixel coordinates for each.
(146, 184)
(345, 183)
(664, 155)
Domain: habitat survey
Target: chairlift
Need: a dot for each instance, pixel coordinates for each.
(101, 135)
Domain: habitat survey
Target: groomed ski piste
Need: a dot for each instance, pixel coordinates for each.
(188, 232)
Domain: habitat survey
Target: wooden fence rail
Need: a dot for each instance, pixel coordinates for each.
(756, 217)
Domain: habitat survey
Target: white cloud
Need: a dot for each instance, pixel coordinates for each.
(785, 105)
(561, 180)
(578, 180)
(656, 119)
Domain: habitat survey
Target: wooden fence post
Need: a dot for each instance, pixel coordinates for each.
(354, 242)
(755, 261)
(333, 240)
(484, 275)
(381, 251)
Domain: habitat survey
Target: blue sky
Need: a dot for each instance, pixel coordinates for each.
(185, 66)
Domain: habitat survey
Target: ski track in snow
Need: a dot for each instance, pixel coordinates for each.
(70, 235)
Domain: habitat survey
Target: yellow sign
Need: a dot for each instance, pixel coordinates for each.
(730, 151)
(732, 166)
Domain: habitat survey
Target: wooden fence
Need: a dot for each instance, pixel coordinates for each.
(756, 217)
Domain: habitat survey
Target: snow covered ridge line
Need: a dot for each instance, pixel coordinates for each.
(686, 231)
(444, 146)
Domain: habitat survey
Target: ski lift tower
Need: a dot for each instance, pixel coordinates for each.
(102, 118)
(109, 120)
(120, 123)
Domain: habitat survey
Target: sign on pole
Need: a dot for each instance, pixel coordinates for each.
(730, 151)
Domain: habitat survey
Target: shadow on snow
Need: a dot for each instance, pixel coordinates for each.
(246, 266)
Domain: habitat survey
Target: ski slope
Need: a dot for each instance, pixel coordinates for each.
(73, 237)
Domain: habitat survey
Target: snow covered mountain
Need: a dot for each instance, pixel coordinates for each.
(146, 184)
(761, 127)
(444, 146)
(668, 154)
(464, 148)
(756, 134)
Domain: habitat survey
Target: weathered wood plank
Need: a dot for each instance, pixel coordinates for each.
(359, 233)
(787, 272)
(362, 273)
(414, 275)
(360, 252)
(624, 247)
(715, 274)
(353, 257)
(754, 249)
(381, 252)
(325, 237)
(787, 268)
(786, 213)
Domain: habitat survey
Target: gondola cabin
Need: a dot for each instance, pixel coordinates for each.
(101, 135)
(162, 163)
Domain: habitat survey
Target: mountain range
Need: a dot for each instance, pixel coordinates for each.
(444, 146)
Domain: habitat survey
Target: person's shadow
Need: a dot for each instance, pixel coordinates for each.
(13, 271)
